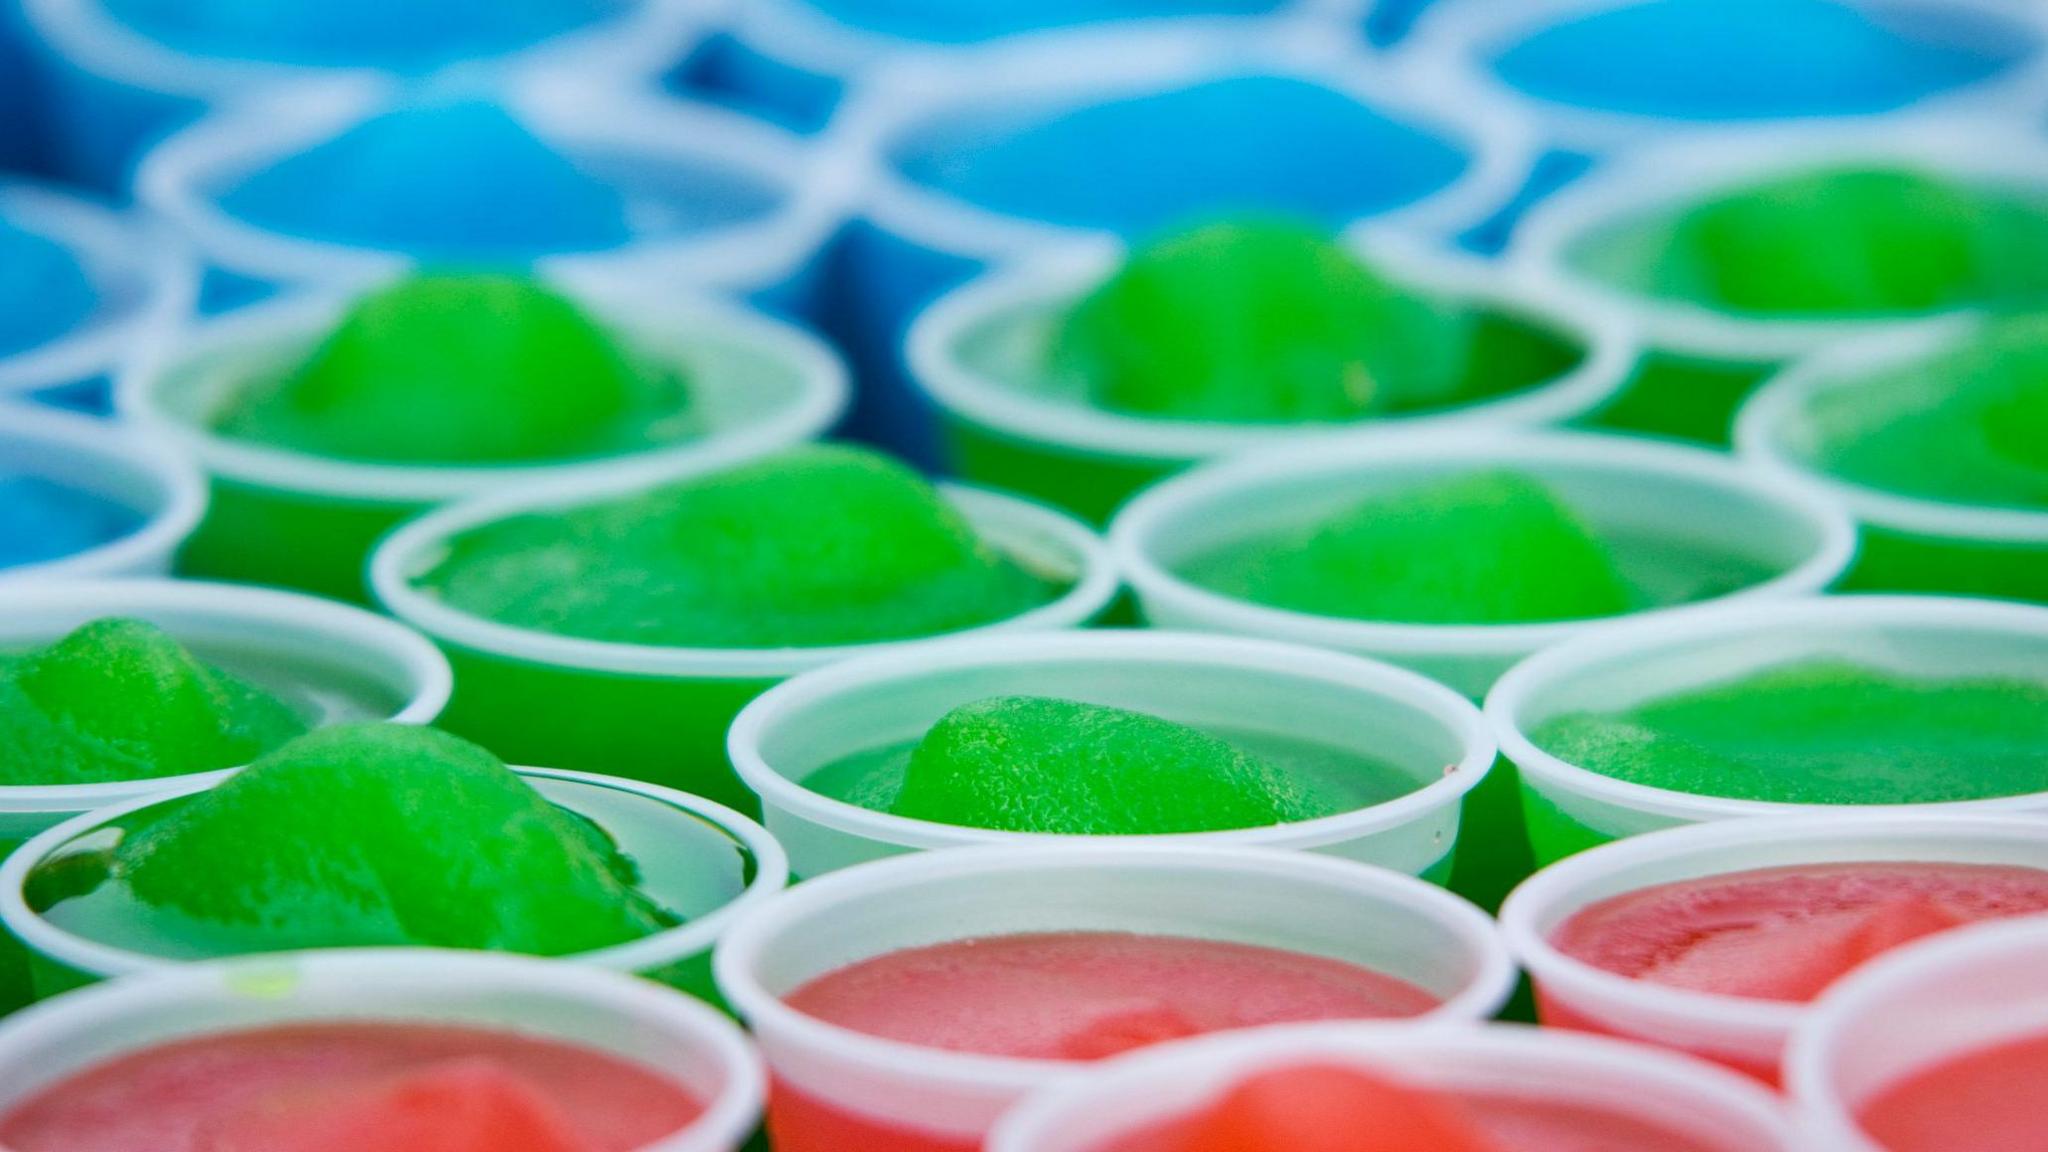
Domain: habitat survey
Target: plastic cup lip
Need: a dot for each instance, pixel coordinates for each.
(1152, 517)
(1076, 69)
(180, 497)
(648, 953)
(740, 953)
(799, 34)
(1672, 177)
(1761, 425)
(1877, 986)
(174, 180)
(321, 623)
(1608, 347)
(1455, 42)
(136, 258)
(997, 516)
(1506, 704)
(91, 37)
(1543, 902)
(793, 697)
(822, 395)
(1571, 1057)
(726, 1120)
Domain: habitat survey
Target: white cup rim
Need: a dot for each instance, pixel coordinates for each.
(1510, 696)
(180, 499)
(1537, 907)
(1606, 342)
(393, 563)
(727, 1118)
(1149, 517)
(821, 396)
(1761, 424)
(1570, 1056)
(651, 952)
(1454, 713)
(1826, 1117)
(740, 953)
(429, 680)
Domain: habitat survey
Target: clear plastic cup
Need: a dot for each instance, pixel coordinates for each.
(1746, 1034)
(110, 91)
(141, 278)
(1570, 808)
(1909, 543)
(1713, 1108)
(915, 239)
(655, 713)
(981, 354)
(1628, 490)
(670, 1035)
(1216, 683)
(1459, 42)
(830, 1080)
(793, 61)
(718, 202)
(285, 517)
(723, 863)
(1702, 362)
(1923, 1006)
(111, 463)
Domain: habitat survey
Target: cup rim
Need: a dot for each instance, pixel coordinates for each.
(993, 514)
(1536, 908)
(1814, 1043)
(1760, 425)
(1673, 176)
(1455, 714)
(656, 950)
(725, 1121)
(815, 184)
(1606, 343)
(181, 495)
(1096, 66)
(1511, 694)
(1149, 517)
(86, 33)
(1458, 39)
(822, 393)
(429, 684)
(739, 954)
(105, 244)
(1571, 1055)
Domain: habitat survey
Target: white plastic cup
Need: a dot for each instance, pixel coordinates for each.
(1618, 485)
(662, 712)
(1747, 1034)
(1910, 543)
(288, 517)
(678, 956)
(666, 1033)
(980, 354)
(944, 1100)
(1615, 669)
(110, 91)
(1711, 1106)
(303, 648)
(1922, 1006)
(1457, 41)
(115, 464)
(654, 150)
(1213, 682)
(142, 280)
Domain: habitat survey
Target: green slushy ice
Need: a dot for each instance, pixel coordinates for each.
(818, 546)
(119, 699)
